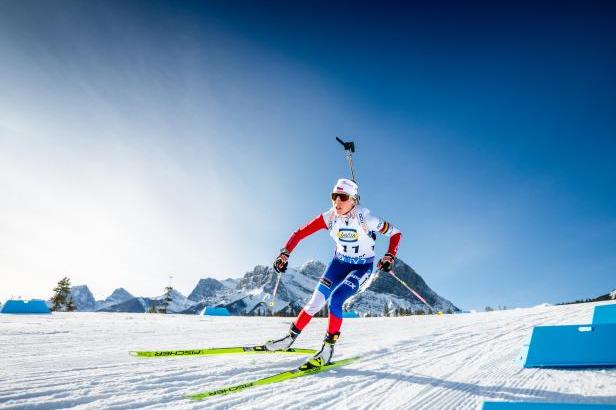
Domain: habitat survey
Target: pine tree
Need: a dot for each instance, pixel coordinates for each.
(168, 296)
(167, 299)
(153, 307)
(385, 310)
(61, 299)
(70, 305)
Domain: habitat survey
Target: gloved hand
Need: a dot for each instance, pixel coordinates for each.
(386, 263)
(282, 261)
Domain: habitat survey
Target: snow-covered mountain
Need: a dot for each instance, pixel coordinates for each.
(383, 295)
(85, 302)
(119, 295)
(211, 292)
(251, 294)
(179, 302)
(206, 289)
(132, 305)
(83, 298)
(122, 301)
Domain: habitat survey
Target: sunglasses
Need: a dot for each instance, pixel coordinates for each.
(343, 197)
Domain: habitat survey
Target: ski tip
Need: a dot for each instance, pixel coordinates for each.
(138, 354)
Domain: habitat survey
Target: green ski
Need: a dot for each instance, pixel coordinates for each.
(216, 351)
(277, 378)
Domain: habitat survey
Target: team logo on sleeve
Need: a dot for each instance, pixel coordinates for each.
(384, 227)
(347, 235)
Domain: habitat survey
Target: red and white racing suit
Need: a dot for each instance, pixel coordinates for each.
(354, 235)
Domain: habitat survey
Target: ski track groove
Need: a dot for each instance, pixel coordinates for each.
(81, 361)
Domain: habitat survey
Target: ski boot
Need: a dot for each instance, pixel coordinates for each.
(285, 342)
(324, 356)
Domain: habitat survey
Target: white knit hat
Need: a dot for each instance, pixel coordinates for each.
(346, 186)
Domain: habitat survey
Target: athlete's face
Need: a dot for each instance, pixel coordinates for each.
(343, 207)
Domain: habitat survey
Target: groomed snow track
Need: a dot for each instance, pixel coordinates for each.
(81, 361)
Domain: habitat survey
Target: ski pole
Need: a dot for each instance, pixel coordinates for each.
(349, 149)
(392, 273)
(275, 289)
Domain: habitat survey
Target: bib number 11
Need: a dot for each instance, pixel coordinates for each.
(354, 247)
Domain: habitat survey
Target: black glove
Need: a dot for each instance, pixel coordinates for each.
(386, 263)
(282, 261)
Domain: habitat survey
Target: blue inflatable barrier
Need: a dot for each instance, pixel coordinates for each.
(349, 315)
(572, 346)
(32, 306)
(605, 314)
(503, 405)
(216, 311)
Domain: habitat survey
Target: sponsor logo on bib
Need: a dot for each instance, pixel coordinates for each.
(347, 235)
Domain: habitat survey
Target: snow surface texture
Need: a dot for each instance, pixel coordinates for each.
(80, 360)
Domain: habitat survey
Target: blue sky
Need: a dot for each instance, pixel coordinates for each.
(143, 139)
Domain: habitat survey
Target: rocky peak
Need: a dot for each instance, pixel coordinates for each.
(119, 295)
(82, 298)
(312, 269)
(206, 288)
(257, 278)
(384, 290)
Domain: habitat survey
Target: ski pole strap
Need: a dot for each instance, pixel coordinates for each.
(392, 273)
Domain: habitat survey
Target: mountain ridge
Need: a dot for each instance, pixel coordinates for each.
(251, 294)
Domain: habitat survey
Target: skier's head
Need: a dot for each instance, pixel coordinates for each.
(344, 196)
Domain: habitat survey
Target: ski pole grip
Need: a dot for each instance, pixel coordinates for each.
(348, 146)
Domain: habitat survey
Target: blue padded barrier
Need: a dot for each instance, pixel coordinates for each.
(216, 311)
(32, 306)
(572, 346)
(503, 405)
(605, 314)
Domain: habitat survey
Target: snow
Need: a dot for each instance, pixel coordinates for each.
(79, 360)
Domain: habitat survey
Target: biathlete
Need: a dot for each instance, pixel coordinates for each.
(354, 231)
